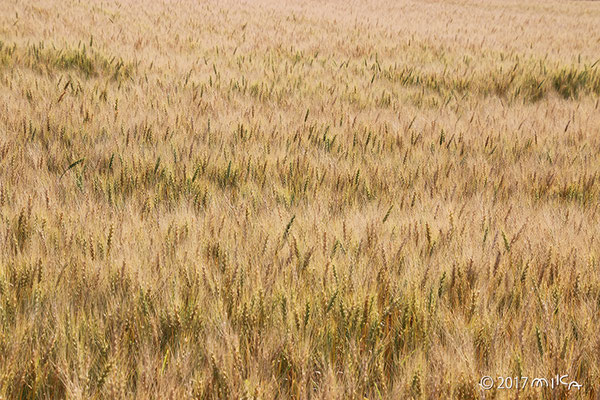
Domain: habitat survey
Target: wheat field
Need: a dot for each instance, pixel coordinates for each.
(310, 200)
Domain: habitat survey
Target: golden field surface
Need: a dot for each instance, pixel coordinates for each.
(308, 200)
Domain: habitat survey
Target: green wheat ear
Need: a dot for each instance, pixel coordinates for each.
(288, 226)
(387, 214)
(71, 166)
